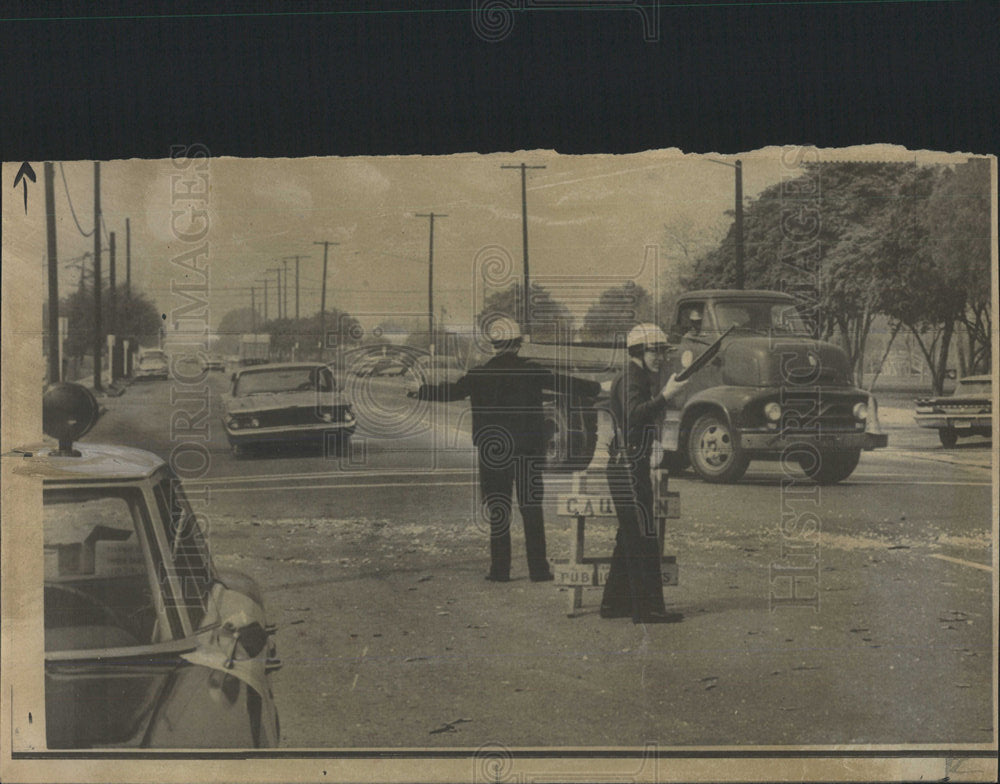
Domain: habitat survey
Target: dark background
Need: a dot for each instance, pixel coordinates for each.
(114, 80)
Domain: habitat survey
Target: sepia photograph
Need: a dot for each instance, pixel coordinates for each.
(501, 452)
(498, 391)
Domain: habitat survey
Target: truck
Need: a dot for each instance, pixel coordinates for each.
(772, 392)
(254, 350)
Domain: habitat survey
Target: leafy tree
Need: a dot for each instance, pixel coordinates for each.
(233, 324)
(136, 319)
(616, 311)
(550, 319)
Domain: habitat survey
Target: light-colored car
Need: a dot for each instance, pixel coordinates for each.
(286, 402)
(147, 643)
(968, 411)
(152, 363)
(433, 370)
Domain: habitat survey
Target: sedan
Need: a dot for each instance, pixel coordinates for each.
(966, 412)
(287, 402)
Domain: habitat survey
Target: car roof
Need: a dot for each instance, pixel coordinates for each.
(272, 366)
(96, 461)
(735, 294)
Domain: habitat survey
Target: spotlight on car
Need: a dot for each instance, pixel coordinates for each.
(772, 411)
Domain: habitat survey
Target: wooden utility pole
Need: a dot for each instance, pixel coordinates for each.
(50, 231)
(430, 277)
(253, 310)
(264, 281)
(128, 259)
(322, 300)
(740, 275)
(524, 231)
(284, 280)
(98, 326)
(112, 290)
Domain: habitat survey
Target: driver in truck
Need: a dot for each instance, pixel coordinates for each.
(635, 586)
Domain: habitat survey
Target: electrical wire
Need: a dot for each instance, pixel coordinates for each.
(72, 211)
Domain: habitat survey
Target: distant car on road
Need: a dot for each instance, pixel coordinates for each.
(436, 369)
(286, 402)
(153, 363)
(380, 366)
(968, 411)
(147, 643)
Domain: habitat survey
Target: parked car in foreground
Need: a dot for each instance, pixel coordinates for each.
(147, 643)
(153, 363)
(286, 402)
(968, 411)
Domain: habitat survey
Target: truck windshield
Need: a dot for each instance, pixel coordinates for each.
(762, 317)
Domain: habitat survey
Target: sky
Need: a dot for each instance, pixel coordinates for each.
(593, 221)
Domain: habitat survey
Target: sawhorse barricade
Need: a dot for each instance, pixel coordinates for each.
(589, 571)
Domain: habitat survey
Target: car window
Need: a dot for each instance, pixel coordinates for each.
(98, 589)
(284, 380)
(188, 550)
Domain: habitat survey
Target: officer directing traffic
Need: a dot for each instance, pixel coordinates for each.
(634, 586)
(508, 429)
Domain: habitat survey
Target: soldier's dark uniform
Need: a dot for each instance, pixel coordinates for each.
(634, 586)
(508, 428)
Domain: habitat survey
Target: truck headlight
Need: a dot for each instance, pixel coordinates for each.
(772, 411)
(860, 411)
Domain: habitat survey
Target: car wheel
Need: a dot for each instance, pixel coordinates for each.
(948, 437)
(831, 467)
(713, 451)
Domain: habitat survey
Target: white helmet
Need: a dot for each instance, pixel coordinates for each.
(502, 330)
(646, 335)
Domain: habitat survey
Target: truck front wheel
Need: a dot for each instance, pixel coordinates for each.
(948, 437)
(831, 467)
(715, 454)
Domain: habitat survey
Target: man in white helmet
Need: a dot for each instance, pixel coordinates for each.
(634, 586)
(508, 428)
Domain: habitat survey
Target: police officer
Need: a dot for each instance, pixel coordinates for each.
(508, 429)
(634, 586)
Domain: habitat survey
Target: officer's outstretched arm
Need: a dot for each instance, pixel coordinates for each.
(446, 391)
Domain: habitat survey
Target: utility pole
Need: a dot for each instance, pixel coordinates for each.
(128, 259)
(112, 291)
(430, 278)
(50, 230)
(277, 272)
(253, 310)
(296, 281)
(264, 281)
(524, 230)
(98, 327)
(322, 299)
(284, 280)
(739, 225)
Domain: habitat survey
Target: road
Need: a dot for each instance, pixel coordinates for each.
(372, 566)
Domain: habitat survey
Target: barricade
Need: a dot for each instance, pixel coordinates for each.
(592, 571)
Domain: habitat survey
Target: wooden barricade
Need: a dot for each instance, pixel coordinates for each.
(581, 502)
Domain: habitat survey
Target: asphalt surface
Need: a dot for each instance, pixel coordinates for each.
(372, 566)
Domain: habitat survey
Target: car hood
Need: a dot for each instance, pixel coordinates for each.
(273, 401)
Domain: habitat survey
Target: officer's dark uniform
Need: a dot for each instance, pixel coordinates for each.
(634, 585)
(508, 427)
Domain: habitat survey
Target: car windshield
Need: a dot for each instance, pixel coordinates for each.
(763, 317)
(300, 379)
(189, 554)
(973, 387)
(98, 592)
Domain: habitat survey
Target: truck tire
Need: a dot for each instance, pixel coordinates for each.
(832, 467)
(714, 453)
(948, 437)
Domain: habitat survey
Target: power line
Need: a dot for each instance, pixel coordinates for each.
(71, 210)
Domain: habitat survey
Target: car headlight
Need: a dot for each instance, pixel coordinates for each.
(255, 422)
(327, 416)
(860, 411)
(772, 411)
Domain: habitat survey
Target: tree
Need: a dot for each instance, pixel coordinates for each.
(616, 311)
(550, 319)
(233, 324)
(136, 319)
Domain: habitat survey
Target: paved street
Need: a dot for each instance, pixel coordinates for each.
(390, 637)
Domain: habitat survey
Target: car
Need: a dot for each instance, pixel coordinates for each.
(380, 366)
(968, 411)
(211, 362)
(147, 643)
(286, 402)
(153, 363)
